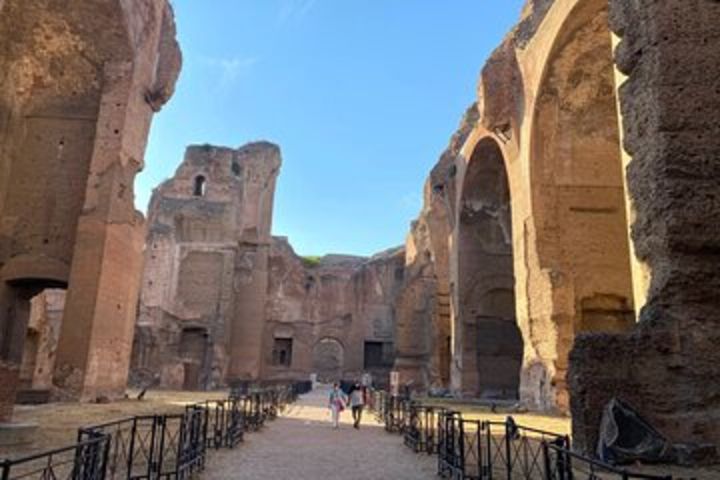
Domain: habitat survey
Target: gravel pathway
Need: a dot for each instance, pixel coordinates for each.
(302, 445)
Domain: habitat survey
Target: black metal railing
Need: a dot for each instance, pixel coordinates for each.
(85, 460)
(154, 447)
(222, 421)
(450, 459)
(517, 450)
(301, 388)
(470, 449)
(562, 464)
(421, 427)
(395, 413)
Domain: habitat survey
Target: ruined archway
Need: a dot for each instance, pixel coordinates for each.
(41, 338)
(15, 312)
(491, 341)
(578, 196)
(328, 359)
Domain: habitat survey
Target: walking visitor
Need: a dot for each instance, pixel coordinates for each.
(336, 403)
(357, 401)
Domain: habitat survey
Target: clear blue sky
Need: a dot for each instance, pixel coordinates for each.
(361, 95)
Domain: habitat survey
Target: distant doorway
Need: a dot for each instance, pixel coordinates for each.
(193, 349)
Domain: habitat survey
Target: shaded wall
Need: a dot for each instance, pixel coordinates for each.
(46, 311)
(666, 367)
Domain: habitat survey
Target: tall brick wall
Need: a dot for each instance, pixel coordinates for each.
(670, 104)
(71, 142)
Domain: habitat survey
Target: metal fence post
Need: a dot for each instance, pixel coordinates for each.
(546, 461)
(488, 446)
(106, 456)
(461, 446)
(508, 450)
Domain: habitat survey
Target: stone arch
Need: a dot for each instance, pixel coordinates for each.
(492, 345)
(328, 359)
(38, 356)
(578, 195)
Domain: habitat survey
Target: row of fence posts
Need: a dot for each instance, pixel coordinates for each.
(153, 447)
(485, 450)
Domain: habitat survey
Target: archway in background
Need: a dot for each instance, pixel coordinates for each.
(328, 359)
(491, 341)
(43, 329)
(578, 190)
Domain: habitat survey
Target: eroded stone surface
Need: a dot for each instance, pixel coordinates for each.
(423, 305)
(548, 100)
(666, 367)
(78, 88)
(206, 268)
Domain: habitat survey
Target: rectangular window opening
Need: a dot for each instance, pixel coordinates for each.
(282, 352)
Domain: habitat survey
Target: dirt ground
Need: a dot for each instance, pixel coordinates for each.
(58, 422)
(558, 424)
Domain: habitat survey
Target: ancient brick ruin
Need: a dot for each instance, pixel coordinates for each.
(576, 208)
(206, 271)
(79, 88)
(224, 302)
(565, 254)
(333, 316)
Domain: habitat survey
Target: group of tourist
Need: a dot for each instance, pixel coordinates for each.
(338, 400)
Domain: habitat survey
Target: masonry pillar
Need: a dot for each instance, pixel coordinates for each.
(96, 335)
(248, 324)
(415, 309)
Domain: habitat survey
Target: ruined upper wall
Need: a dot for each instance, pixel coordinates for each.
(218, 199)
(329, 308)
(669, 100)
(66, 76)
(203, 224)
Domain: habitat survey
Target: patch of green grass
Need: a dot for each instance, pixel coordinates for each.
(311, 261)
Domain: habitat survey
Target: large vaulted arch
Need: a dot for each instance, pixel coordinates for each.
(492, 346)
(578, 195)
